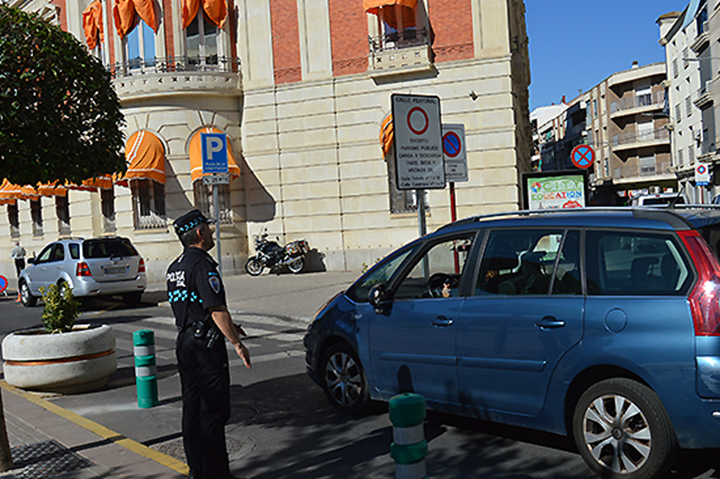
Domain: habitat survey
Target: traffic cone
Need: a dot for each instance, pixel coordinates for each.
(18, 298)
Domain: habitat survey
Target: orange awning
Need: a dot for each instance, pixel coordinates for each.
(6, 197)
(196, 155)
(387, 134)
(385, 9)
(124, 13)
(49, 189)
(145, 157)
(215, 10)
(93, 24)
(93, 184)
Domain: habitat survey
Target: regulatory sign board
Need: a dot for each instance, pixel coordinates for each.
(582, 156)
(218, 179)
(418, 142)
(702, 174)
(456, 169)
(214, 153)
(3, 283)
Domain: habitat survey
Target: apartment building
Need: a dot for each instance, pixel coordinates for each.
(685, 37)
(301, 88)
(623, 118)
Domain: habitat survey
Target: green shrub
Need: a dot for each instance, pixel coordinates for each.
(61, 309)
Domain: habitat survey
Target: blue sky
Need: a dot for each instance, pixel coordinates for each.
(578, 43)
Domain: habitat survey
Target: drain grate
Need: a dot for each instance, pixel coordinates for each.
(45, 460)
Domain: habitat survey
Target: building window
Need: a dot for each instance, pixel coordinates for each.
(36, 215)
(201, 38)
(680, 157)
(691, 154)
(678, 117)
(62, 212)
(595, 109)
(688, 106)
(204, 201)
(686, 56)
(139, 47)
(675, 67)
(647, 165)
(107, 204)
(14, 220)
(148, 204)
(398, 27)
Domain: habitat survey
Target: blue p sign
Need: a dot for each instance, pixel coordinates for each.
(214, 153)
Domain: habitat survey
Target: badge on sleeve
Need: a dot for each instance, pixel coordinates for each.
(214, 283)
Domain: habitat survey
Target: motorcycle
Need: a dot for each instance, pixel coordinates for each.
(269, 254)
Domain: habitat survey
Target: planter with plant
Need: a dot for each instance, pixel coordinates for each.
(61, 358)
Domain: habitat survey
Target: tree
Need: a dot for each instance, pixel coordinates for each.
(60, 117)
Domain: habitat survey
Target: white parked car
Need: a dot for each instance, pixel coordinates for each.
(660, 199)
(91, 267)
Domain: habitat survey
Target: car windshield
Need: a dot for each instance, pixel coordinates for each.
(104, 248)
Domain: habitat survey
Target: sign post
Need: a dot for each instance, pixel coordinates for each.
(215, 163)
(418, 147)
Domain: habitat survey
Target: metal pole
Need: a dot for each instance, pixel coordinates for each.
(420, 198)
(453, 206)
(216, 203)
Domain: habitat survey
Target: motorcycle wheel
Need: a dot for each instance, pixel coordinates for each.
(296, 265)
(253, 266)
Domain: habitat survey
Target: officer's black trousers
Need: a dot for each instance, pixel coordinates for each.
(206, 404)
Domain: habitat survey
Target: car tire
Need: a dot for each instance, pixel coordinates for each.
(296, 266)
(636, 443)
(132, 299)
(343, 379)
(254, 267)
(28, 300)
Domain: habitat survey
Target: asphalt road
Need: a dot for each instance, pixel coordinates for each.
(282, 426)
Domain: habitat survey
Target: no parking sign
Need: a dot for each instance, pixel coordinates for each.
(702, 174)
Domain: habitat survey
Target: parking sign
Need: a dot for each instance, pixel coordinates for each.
(214, 153)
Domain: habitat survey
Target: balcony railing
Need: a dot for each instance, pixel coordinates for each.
(400, 52)
(634, 171)
(633, 137)
(650, 99)
(178, 64)
(409, 38)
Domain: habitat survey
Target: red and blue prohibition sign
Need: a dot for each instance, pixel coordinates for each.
(582, 156)
(3, 283)
(451, 144)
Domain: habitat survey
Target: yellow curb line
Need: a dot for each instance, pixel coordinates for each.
(102, 431)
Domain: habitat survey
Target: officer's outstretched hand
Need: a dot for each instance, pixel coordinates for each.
(244, 354)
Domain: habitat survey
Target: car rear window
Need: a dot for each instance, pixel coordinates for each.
(103, 248)
(632, 263)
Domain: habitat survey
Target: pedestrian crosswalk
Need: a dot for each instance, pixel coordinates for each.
(268, 338)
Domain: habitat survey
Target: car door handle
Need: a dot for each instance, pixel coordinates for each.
(442, 322)
(549, 322)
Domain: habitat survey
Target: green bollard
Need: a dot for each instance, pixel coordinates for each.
(409, 447)
(145, 368)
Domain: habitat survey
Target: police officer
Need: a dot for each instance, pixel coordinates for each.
(197, 297)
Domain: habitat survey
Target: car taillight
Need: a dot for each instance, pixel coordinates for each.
(82, 269)
(141, 266)
(705, 296)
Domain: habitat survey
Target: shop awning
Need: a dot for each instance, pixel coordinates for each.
(145, 157)
(387, 134)
(196, 155)
(6, 197)
(215, 10)
(49, 189)
(124, 13)
(93, 24)
(385, 9)
(93, 184)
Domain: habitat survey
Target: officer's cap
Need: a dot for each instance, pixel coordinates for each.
(189, 221)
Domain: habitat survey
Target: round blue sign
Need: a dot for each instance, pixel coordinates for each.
(3, 283)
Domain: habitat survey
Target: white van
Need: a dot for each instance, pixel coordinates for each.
(660, 199)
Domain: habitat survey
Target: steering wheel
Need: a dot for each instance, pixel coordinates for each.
(436, 282)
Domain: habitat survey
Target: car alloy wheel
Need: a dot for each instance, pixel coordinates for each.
(622, 430)
(28, 300)
(344, 379)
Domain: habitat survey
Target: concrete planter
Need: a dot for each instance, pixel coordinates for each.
(66, 363)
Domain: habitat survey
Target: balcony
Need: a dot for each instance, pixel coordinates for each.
(637, 104)
(631, 140)
(702, 39)
(631, 173)
(177, 76)
(704, 95)
(399, 53)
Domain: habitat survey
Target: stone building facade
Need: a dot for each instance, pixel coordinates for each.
(301, 88)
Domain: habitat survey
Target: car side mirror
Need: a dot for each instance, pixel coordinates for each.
(31, 261)
(378, 298)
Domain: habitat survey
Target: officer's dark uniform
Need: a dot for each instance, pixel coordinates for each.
(193, 286)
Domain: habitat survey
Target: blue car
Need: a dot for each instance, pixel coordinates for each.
(600, 324)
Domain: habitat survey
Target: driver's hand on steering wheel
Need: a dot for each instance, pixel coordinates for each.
(446, 289)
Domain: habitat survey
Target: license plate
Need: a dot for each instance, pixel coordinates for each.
(115, 270)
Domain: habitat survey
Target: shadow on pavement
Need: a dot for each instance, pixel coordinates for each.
(321, 443)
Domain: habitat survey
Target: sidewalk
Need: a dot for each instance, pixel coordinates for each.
(48, 441)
